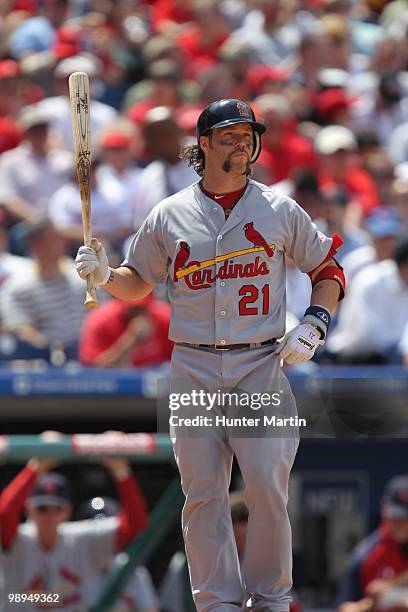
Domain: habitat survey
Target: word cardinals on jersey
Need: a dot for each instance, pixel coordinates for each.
(203, 277)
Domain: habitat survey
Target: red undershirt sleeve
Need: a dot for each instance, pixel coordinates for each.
(133, 515)
(12, 501)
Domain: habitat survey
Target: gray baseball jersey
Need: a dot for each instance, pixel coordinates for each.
(226, 277)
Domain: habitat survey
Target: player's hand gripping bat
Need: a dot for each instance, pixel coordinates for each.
(81, 131)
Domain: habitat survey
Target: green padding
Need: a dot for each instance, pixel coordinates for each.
(146, 448)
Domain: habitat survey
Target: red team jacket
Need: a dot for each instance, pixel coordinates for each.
(377, 557)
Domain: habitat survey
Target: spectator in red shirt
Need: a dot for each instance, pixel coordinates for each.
(131, 333)
(340, 169)
(283, 149)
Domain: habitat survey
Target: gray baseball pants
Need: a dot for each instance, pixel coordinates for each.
(205, 463)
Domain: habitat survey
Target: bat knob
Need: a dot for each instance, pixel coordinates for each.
(90, 302)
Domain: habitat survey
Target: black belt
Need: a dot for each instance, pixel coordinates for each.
(229, 347)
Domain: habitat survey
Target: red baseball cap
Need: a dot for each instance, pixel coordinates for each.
(258, 76)
(331, 100)
(9, 69)
(115, 140)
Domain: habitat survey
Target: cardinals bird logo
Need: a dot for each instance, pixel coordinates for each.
(243, 109)
(181, 259)
(256, 238)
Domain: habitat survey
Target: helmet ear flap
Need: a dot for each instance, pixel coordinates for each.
(257, 146)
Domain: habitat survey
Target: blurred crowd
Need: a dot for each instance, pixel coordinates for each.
(328, 77)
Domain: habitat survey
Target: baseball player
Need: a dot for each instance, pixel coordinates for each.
(49, 561)
(220, 246)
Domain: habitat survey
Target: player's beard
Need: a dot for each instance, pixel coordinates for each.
(227, 166)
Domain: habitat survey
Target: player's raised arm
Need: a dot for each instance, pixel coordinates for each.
(123, 283)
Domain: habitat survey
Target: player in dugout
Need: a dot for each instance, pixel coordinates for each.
(376, 577)
(220, 245)
(49, 555)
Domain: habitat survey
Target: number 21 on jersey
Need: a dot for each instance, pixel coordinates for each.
(251, 303)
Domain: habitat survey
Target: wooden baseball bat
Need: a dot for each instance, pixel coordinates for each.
(81, 131)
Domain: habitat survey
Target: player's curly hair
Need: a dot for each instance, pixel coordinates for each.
(194, 156)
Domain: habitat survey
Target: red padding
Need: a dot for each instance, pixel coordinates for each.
(337, 242)
(333, 273)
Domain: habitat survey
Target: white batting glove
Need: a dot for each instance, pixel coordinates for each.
(93, 260)
(299, 344)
